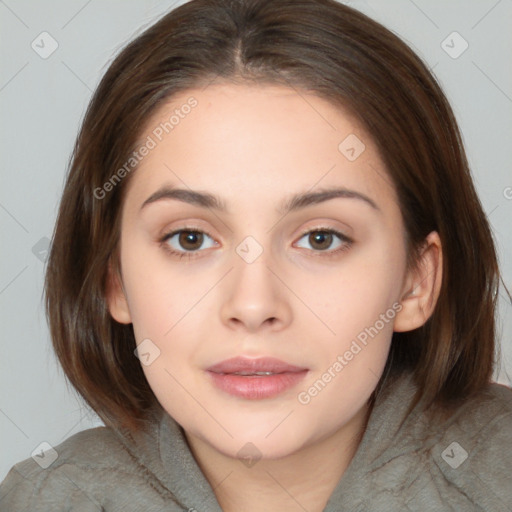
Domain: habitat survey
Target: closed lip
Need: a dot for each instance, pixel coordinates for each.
(250, 365)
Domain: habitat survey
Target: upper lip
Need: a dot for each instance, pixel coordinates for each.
(260, 364)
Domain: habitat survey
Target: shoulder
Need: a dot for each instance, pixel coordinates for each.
(484, 423)
(458, 460)
(75, 475)
(475, 447)
(470, 452)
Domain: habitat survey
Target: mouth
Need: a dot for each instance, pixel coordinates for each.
(255, 379)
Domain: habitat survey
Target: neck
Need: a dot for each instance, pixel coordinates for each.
(302, 480)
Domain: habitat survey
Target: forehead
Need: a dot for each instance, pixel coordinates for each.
(247, 142)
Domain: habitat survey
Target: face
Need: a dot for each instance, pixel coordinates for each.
(314, 282)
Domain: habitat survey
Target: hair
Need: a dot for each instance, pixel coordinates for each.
(317, 46)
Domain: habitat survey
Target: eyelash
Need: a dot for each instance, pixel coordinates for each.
(347, 242)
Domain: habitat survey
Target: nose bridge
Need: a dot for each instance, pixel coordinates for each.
(255, 296)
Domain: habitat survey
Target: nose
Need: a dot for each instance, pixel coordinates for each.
(255, 298)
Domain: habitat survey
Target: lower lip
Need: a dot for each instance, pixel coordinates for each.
(255, 387)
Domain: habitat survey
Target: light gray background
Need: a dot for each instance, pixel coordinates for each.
(43, 100)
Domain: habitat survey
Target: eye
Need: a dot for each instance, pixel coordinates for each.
(185, 242)
(321, 240)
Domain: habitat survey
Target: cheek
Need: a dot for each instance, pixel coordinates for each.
(365, 287)
(359, 307)
(350, 359)
(160, 294)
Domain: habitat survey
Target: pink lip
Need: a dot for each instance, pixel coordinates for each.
(260, 364)
(254, 387)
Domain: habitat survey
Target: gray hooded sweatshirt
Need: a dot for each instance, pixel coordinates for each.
(462, 463)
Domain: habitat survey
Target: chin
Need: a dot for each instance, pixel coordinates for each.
(250, 451)
(261, 439)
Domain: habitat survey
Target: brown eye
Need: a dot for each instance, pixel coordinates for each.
(328, 241)
(190, 240)
(320, 240)
(187, 242)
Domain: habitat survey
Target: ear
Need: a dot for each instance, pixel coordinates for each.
(421, 287)
(116, 297)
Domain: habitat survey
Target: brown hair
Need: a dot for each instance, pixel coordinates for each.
(320, 46)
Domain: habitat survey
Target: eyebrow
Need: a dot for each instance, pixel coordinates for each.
(296, 202)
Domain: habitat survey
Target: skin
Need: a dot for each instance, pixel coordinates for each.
(255, 147)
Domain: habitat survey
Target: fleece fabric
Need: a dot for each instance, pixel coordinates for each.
(462, 463)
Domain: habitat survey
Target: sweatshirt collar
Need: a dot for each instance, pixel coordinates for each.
(163, 454)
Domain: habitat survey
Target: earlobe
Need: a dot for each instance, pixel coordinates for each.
(116, 298)
(422, 287)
